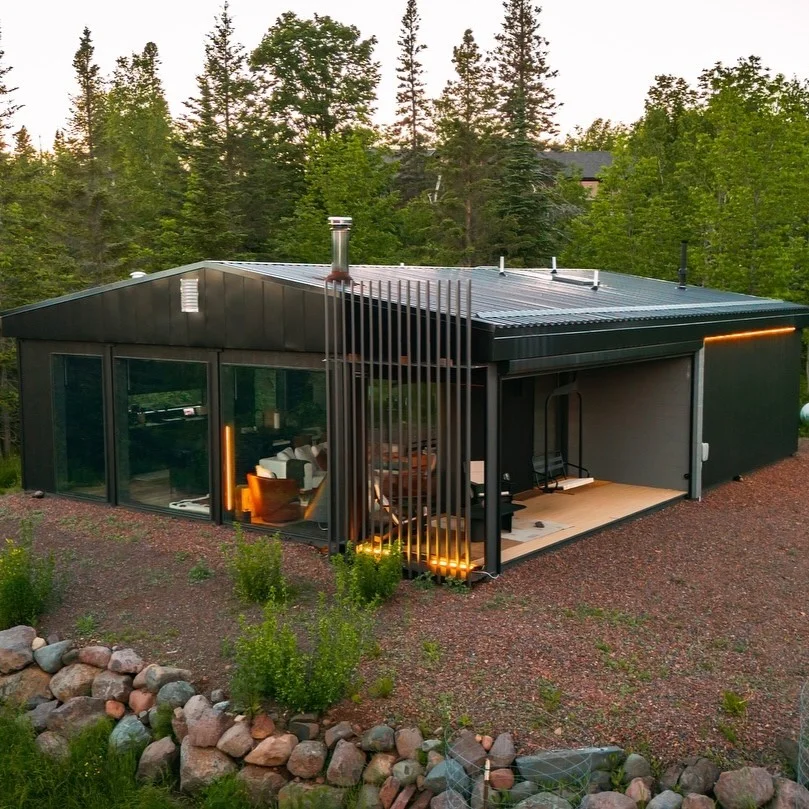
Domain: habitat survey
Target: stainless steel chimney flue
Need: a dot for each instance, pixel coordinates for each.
(340, 233)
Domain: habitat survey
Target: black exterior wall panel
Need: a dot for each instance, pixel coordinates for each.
(750, 404)
(294, 317)
(273, 316)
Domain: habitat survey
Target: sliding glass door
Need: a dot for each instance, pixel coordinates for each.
(162, 434)
(78, 425)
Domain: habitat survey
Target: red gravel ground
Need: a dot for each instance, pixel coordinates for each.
(630, 636)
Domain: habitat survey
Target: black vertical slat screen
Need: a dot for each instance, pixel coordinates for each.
(398, 361)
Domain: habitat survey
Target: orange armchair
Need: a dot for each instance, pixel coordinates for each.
(274, 499)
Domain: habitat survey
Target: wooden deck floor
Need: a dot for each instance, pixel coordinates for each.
(577, 511)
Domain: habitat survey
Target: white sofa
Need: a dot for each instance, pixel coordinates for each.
(312, 473)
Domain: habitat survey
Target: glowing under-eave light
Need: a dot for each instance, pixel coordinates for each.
(744, 335)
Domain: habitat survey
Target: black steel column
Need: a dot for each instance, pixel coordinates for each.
(492, 483)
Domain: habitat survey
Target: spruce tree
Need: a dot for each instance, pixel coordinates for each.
(7, 107)
(464, 157)
(143, 158)
(529, 210)
(411, 130)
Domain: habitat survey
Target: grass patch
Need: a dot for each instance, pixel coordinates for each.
(86, 625)
(256, 568)
(582, 612)
(200, 572)
(161, 722)
(382, 687)
(431, 652)
(733, 704)
(26, 581)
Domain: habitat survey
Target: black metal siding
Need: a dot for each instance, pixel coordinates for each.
(750, 404)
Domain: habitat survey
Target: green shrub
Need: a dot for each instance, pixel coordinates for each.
(226, 793)
(26, 581)
(382, 687)
(308, 670)
(367, 578)
(10, 473)
(255, 568)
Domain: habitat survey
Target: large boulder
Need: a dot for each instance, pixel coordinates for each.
(668, 799)
(142, 700)
(607, 800)
(503, 751)
(699, 775)
(98, 656)
(549, 768)
(155, 677)
(747, 788)
(307, 759)
(696, 801)
(789, 795)
(15, 648)
(52, 744)
(502, 779)
(176, 693)
(236, 741)
(379, 768)
(263, 784)
(158, 760)
(449, 799)
(49, 658)
(379, 739)
(449, 774)
(273, 751)
(206, 729)
(636, 766)
(109, 685)
(468, 751)
(407, 771)
(38, 717)
(125, 661)
(346, 766)
(129, 734)
(75, 680)
(544, 800)
(639, 791)
(310, 796)
(27, 688)
(342, 730)
(76, 715)
(201, 766)
(408, 741)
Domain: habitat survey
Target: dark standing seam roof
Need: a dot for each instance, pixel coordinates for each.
(525, 298)
(589, 163)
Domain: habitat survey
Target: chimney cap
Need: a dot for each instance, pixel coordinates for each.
(340, 222)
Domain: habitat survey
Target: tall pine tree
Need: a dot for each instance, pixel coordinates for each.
(529, 211)
(411, 130)
(464, 158)
(7, 107)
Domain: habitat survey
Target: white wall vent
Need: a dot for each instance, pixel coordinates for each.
(189, 295)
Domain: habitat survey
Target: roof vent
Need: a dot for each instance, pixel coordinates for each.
(189, 295)
(502, 265)
(340, 233)
(137, 274)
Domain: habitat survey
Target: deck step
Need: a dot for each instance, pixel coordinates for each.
(572, 483)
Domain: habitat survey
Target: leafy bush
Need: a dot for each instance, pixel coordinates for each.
(369, 578)
(305, 671)
(26, 581)
(255, 568)
(10, 473)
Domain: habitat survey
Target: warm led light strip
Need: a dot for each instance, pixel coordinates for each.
(230, 473)
(742, 335)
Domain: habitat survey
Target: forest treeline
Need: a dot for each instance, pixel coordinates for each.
(277, 138)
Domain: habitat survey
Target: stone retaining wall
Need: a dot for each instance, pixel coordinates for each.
(305, 763)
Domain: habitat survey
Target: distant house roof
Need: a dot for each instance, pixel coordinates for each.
(589, 163)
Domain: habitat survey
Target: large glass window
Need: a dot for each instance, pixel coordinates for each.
(162, 434)
(78, 425)
(275, 452)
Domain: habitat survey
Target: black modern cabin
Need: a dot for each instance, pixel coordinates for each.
(477, 416)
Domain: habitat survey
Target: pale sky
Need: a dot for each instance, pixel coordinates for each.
(606, 53)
